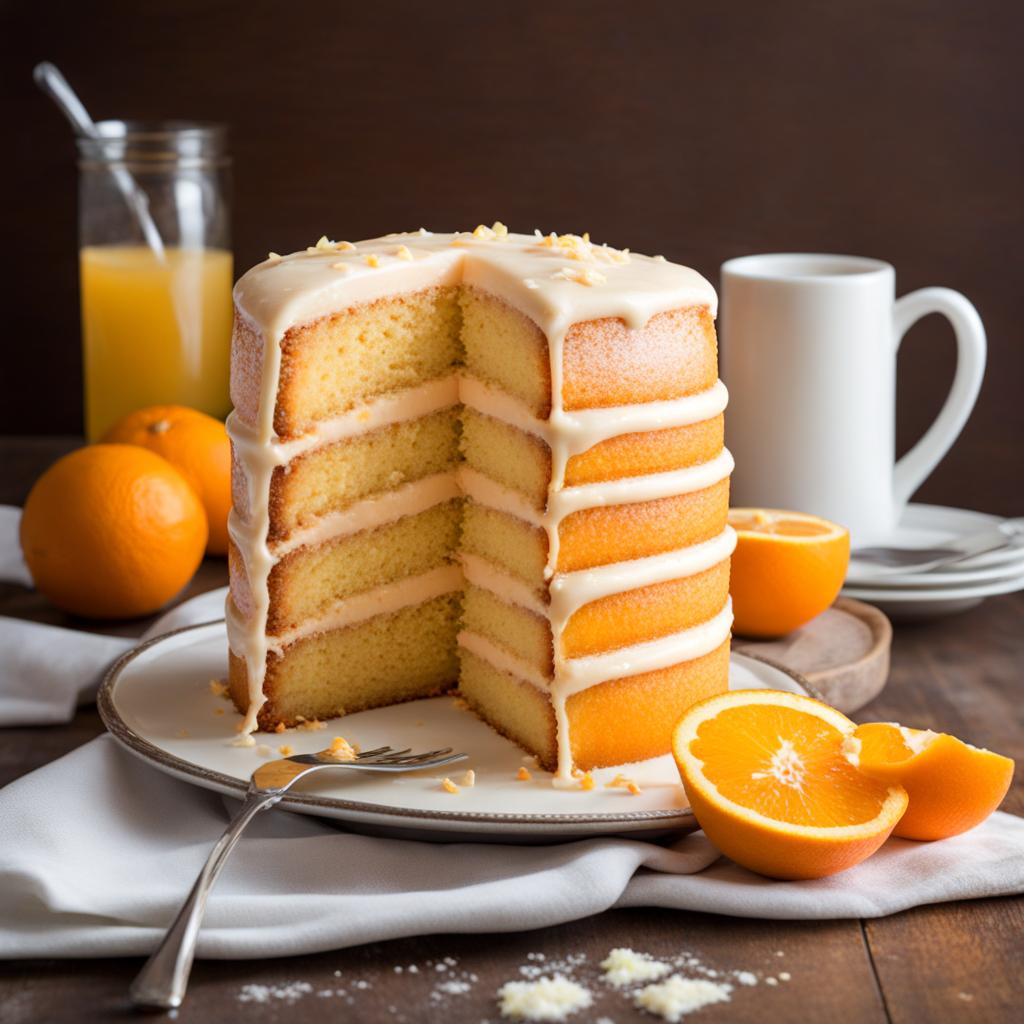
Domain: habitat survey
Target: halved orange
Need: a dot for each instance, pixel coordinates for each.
(787, 568)
(952, 786)
(769, 782)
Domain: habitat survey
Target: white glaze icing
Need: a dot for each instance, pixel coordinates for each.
(556, 282)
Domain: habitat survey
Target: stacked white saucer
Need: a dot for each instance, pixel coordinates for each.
(914, 594)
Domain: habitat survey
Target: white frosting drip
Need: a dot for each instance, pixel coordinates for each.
(555, 285)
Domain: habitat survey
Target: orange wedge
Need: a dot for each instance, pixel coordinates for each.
(769, 782)
(952, 786)
(787, 568)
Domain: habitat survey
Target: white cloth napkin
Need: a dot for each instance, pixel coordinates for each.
(98, 849)
(47, 671)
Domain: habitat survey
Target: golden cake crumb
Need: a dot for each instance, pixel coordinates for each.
(217, 688)
(469, 779)
(634, 789)
(403, 252)
(373, 260)
(523, 775)
(448, 786)
(619, 782)
(280, 727)
(312, 725)
(342, 749)
(587, 781)
(285, 750)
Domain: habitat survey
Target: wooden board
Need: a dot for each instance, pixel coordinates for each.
(843, 653)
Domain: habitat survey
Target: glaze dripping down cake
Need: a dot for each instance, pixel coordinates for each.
(484, 461)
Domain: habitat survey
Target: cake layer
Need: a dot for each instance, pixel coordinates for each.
(383, 660)
(605, 361)
(352, 355)
(329, 479)
(614, 722)
(597, 536)
(522, 462)
(618, 620)
(305, 583)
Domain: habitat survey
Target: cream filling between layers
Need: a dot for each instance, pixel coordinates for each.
(350, 611)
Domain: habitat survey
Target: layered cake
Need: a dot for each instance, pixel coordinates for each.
(484, 461)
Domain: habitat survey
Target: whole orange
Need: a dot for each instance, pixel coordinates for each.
(112, 531)
(787, 568)
(194, 443)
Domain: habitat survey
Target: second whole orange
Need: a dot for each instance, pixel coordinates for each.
(197, 446)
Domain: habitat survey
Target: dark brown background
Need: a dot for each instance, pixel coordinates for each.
(889, 128)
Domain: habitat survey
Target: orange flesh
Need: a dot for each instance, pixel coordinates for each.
(786, 765)
(780, 527)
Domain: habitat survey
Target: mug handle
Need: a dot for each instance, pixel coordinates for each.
(911, 470)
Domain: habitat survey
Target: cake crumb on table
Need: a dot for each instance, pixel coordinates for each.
(633, 788)
(448, 786)
(523, 775)
(469, 779)
(217, 688)
(677, 996)
(546, 999)
(285, 750)
(623, 966)
(586, 781)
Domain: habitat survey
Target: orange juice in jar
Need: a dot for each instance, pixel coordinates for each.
(156, 318)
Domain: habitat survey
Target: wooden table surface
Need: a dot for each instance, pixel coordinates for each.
(962, 961)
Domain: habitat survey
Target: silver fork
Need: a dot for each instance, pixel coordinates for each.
(162, 982)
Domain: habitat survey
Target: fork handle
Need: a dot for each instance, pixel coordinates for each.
(162, 981)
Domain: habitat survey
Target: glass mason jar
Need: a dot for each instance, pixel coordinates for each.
(155, 268)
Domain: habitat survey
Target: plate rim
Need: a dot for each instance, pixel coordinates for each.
(935, 595)
(210, 779)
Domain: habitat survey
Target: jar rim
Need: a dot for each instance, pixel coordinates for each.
(153, 142)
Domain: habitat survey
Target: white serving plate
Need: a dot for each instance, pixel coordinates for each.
(157, 702)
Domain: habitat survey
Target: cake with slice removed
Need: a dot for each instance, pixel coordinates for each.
(483, 461)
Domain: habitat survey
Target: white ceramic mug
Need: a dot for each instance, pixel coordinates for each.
(808, 348)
